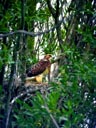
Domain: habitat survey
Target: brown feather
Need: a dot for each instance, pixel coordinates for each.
(39, 68)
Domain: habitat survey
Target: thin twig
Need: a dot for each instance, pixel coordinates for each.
(51, 116)
(31, 33)
(8, 115)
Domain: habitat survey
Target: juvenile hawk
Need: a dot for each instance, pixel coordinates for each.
(40, 69)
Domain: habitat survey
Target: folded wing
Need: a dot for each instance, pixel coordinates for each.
(38, 68)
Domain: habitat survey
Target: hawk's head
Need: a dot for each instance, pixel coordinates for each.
(47, 56)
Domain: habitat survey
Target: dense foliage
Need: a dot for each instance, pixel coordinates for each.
(65, 29)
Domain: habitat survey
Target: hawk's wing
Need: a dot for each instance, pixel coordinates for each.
(38, 68)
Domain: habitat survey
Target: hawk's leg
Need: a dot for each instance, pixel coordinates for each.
(48, 74)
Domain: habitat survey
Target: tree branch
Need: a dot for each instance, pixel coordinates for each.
(55, 13)
(52, 10)
(30, 90)
(31, 33)
(57, 8)
(51, 116)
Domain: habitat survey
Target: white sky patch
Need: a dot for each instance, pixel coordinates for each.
(37, 6)
(50, 22)
(69, 1)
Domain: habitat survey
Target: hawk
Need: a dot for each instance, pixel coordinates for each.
(40, 69)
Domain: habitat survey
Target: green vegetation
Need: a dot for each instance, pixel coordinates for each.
(67, 30)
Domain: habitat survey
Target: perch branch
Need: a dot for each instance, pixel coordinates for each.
(31, 89)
